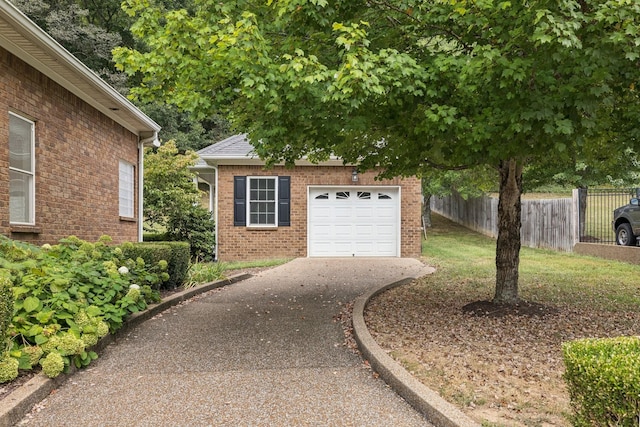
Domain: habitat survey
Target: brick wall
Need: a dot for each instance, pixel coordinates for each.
(242, 243)
(77, 158)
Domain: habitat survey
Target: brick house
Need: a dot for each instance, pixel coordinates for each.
(311, 210)
(71, 146)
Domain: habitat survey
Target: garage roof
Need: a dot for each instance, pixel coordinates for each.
(237, 150)
(24, 39)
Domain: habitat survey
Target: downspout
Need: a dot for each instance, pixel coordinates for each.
(215, 210)
(146, 142)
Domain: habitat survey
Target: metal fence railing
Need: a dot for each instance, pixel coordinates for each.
(596, 206)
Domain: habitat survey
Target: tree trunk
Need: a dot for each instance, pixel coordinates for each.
(426, 211)
(509, 222)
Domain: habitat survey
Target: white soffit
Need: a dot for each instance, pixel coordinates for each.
(24, 39)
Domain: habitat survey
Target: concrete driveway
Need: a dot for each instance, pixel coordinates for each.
(265, 351)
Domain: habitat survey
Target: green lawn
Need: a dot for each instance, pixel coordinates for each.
(546, 277)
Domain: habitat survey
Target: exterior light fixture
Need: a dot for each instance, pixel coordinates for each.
(354, 175)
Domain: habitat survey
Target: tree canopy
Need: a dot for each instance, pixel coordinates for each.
(405, 85)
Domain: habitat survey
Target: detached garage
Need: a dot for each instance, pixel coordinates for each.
(310, 210)
(354, 221)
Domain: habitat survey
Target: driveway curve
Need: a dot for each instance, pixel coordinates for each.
(265, 351)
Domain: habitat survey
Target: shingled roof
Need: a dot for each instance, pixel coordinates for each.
(237, 150)
(234, 147)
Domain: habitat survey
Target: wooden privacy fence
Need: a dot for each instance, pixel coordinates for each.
(547, 223)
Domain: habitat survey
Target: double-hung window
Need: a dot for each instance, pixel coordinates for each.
(262, 206)
(127, 189)
(22, 167)
(262, 201)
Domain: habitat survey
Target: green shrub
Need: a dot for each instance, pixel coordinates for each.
(152, 253)
(179, 263)
(67, 296)
(603, 378)
(176, 254)
(6, 306)
(154, 237)
(196, 226)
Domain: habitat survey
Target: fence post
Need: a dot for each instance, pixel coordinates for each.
(576, 220)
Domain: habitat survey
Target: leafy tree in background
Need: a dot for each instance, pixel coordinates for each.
(186, 131)
(90, 30)
(172, 201)
(405, 85)
(90, 34)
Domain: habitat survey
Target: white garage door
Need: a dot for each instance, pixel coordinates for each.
(354, 221)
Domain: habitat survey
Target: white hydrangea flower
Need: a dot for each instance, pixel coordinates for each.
(134, 286)
(123, 270)
(46, 246)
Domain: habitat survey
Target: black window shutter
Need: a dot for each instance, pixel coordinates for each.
(239, 200)
(284, 201)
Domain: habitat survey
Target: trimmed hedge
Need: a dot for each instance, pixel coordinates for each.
(6, 306)
(603, 378)
(175, 253)
(154, 237)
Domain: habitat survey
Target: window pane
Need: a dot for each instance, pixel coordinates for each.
(20, 143)
(262, 201)
(127, 183)
(20, 197)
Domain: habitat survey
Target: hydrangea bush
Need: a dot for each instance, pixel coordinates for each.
(66, 297)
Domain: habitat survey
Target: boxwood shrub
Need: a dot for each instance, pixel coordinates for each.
(603, 378)
(175, 253)
(6, 306)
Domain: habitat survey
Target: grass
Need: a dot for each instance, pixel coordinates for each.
(242, 265)
(546, 277)
(205, 272)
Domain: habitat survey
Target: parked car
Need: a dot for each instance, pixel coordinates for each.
(626, 222)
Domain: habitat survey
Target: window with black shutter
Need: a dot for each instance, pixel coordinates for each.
(261, 201)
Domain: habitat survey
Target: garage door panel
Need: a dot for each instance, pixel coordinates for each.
(354, 222)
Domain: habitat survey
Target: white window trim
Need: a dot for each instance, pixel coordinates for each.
(248, 215)
(32, 173)
(126, 209)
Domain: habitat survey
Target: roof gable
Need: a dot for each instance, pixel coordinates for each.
(24, 39)
(237, 150)
(234, 147)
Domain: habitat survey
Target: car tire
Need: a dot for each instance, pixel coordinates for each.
(624, 235)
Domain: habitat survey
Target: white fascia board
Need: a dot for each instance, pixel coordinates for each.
(54, 61)
(255, 161)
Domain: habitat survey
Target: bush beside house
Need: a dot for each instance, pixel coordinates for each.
(67, 296)
(176, 254)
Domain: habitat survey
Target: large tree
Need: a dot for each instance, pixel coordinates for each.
(405, 85)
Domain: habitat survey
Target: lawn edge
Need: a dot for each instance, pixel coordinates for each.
(426, 401)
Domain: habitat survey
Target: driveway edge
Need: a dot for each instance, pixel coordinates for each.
(19, 402)
(426, 401)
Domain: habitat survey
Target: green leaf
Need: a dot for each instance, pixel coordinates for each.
(40, 339)
(93, 311)
(44, 316)
(31, 304)
(34, 331)
(19, 290)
